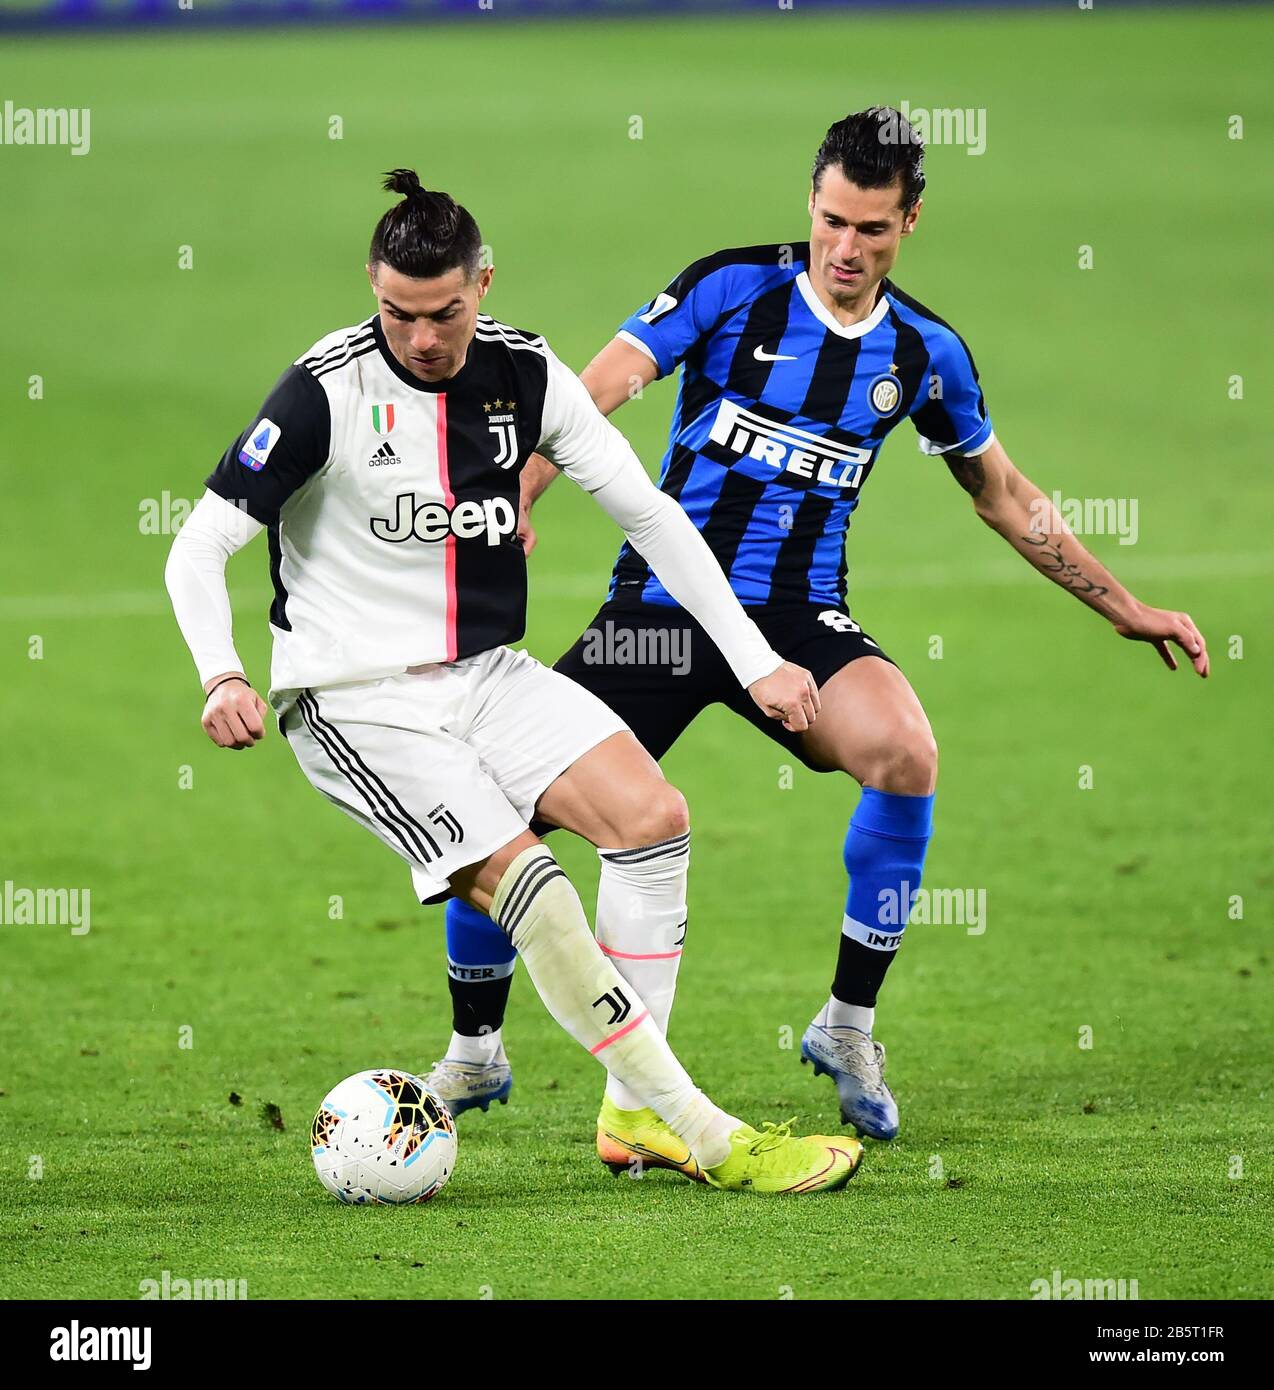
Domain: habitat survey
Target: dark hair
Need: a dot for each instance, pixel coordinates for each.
(425, 235)
(873, 148)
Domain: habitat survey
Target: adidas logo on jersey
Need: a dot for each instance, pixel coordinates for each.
(383, 456)
(493, 517)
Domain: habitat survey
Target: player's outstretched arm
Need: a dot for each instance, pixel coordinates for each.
(1013, 506)
(615, 375)
(234, 714)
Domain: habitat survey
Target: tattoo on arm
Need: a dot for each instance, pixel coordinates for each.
(1045, 551)
(968, 472)
(1049, 558)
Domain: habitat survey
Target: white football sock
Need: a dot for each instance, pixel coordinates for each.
(539, 910)
(485, 1049)
(839, 1015)
(641, 923)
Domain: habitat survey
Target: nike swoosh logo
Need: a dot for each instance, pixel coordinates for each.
(762, 356)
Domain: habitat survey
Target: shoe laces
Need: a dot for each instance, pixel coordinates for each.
(771, 1136)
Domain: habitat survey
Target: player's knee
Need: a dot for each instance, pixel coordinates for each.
(660, 814)
(906, 764)
(475, 884)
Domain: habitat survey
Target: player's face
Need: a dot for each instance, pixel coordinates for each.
(429, 324)
(854, 236)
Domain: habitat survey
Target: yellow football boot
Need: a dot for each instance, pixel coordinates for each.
(628, 1137)
(776, 1160)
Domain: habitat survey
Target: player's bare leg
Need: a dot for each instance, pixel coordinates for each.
(528, 896)
(872, 726)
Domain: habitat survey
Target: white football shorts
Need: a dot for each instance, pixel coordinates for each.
(445, 763)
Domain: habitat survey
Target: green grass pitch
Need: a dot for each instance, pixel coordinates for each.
(1146, 1155)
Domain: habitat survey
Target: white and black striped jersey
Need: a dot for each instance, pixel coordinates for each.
(391, 503)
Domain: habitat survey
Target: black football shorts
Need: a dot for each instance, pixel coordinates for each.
(658, 669)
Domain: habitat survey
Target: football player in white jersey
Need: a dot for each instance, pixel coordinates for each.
(384, 467)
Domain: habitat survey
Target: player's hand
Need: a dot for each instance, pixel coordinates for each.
(1160, 626)
(234, 714)
(789, 694)
(526, 532)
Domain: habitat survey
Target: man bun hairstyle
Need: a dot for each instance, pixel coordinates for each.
(873, 149)
(425, 235)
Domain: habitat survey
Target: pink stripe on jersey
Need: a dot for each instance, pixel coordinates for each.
(449, 502)
(623, 1032)
(628, 955)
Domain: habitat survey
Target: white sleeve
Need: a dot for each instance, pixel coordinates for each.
(196, 580)
(590, 450)
(574, 434)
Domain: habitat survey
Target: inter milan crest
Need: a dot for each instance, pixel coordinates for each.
(503, 424)
(885, 393)
(382, 418)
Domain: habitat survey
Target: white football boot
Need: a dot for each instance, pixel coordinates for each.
(466, 1085)
(856, 1063)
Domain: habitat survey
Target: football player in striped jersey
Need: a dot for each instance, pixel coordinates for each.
(797, 359)
(384, 467)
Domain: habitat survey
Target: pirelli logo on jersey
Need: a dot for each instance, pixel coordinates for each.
(493, 517)
(785, 447)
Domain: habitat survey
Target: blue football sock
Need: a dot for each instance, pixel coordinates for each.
(885, 857)
(480, 963)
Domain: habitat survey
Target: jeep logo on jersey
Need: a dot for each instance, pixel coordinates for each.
(493, 517)
(786, 447)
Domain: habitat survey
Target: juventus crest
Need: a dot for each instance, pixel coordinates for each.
(503, 425)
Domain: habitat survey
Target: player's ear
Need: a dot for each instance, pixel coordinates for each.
(811, 200)
(484, 280)
(909, 222)
(371, 277)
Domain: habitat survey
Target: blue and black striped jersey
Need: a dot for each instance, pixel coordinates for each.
(781, 412)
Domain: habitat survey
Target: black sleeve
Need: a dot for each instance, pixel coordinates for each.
(281, 452)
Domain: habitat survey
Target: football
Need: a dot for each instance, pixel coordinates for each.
(383, 1136)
